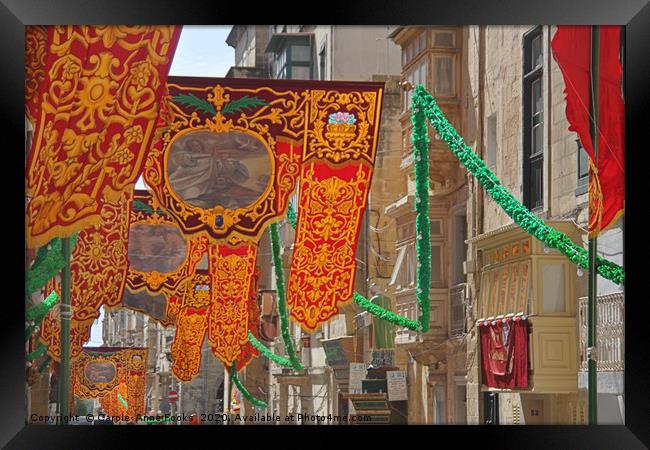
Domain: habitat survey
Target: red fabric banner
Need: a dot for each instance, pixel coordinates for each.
(504, 353)
(98, 271)
(231, 269)
(572, 50)
(97, 109)
(323, 267)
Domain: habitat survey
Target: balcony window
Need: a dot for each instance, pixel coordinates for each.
(443, 76)
(553, 288)
(416, 75)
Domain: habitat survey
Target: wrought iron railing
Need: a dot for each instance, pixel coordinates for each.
(610, 333)
(457, 309)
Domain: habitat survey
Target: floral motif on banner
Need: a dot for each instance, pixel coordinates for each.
(248, 352)
(99, 107)
(35, 60)
(232, 271)
(191, 327)
(323, 266)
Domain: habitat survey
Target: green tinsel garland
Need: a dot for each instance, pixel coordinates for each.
(385, 314)
(282, 302)
(291, 216)
(247, 395)
(519, 213)
(38, 312)
(268, 353)
(422, 224)
(42, 348)
(47, 264)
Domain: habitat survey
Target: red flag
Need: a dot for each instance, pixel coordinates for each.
(572, 50)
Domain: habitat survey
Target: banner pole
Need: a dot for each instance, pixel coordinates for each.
(593, 243)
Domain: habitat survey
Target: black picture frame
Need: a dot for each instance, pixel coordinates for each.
(15, 14)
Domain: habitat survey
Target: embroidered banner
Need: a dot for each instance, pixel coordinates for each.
(98, 109)
(230, 156)
(35, 61)
(191, 327)
(232, 271)
(504, 353)
(332, 202)
(98, 271)
(105, 372)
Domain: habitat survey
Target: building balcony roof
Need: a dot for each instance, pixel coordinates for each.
(278, 40)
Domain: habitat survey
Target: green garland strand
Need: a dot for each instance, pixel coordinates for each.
(38, 312)
(422, 224)
(532, 224)
(48, 262)
(268, 353)
(247, 395)
(282, 305)
(385, 314)
(291, 216)
(40, 351)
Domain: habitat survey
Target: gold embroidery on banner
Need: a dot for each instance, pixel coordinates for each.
(319, 281)
(339, 142)
(35, 61)
(286, 109)
(96, 122)
(232, 275)
(191, 326)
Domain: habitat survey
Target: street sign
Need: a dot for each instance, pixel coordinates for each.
(172, 396)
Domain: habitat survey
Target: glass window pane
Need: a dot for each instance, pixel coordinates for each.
(538, 139)
(536, 183)
(536, 52)
(300, 73)
(422, 40)
(436, 263)
(443, 76)
(536, 89)
(301, 53)
(553, 288)
(423, 74)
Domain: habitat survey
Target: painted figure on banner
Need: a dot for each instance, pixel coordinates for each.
(160, 248)
(207, 169)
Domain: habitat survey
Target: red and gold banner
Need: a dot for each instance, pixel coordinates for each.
(35, 61)
(342, 126)
(99, 102)
(230, 156)
(98, 273)
(504, 353)
(323, 267)
(248, 352)
(105, 372)
(191, 327)
(232, 271)
(572, 50)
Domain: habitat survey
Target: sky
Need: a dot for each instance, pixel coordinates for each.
(201, 52)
